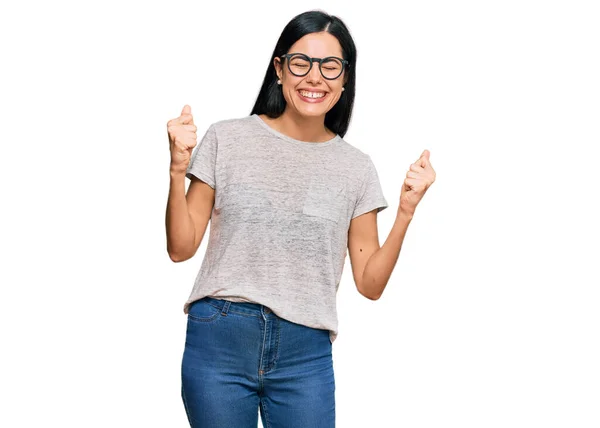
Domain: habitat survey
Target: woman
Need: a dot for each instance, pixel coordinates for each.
(286, 195)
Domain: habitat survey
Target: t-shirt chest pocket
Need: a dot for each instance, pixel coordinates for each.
(325, 201)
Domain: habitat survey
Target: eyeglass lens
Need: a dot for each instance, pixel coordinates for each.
(330, 67)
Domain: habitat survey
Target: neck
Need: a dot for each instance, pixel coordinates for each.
(303, 128)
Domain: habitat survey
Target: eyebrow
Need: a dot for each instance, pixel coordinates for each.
(316, 57)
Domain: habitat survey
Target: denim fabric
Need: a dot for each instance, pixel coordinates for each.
(241, 361)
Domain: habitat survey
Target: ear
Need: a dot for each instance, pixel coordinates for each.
(277, 65)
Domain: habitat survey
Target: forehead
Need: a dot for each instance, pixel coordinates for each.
(318, 45)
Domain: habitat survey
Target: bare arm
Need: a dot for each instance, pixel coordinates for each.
(372, 265)
(187, 216)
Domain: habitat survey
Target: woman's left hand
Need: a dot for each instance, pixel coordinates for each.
(418, 179)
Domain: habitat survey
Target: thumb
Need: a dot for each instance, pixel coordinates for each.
(424, 159)
(187, 112)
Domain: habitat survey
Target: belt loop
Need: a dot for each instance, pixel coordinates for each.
(225, 308)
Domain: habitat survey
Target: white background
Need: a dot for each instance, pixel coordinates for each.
(491, 317)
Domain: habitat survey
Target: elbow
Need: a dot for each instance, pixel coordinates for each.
(372, 297)
(369, 294)
(178, 257)
(175, 258)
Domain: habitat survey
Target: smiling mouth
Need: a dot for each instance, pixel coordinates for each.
(313, 95)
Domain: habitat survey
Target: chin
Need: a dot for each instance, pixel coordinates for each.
(316, 110)
(312, 112)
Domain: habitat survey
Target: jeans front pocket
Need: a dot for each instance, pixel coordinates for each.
(202, 311)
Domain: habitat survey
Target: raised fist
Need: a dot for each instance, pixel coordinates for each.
(182, 139)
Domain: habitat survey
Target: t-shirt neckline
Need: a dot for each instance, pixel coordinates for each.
(293, 140)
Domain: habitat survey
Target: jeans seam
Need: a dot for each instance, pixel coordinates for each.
(264, 405)
(231, 310)
(185, 406)
(276, 356)
(212, 318)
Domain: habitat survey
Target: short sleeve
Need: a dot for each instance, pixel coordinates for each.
(371, 194)
(204, 158)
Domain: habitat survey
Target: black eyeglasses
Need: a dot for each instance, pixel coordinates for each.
(330, 67)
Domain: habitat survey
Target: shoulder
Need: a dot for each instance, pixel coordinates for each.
(355, 155)
(233, 125)
(232, 129)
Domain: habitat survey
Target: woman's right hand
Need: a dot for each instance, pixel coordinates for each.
(182, 140)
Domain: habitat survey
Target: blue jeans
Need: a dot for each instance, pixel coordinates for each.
(241, 359)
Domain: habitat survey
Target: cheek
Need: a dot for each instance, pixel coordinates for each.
(289, 87)
(336, 88)
(288, 93)
(335, 100)
(336, 92)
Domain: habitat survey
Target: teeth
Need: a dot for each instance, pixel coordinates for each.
(312, 94)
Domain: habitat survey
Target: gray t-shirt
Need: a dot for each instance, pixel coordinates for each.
(279, 225)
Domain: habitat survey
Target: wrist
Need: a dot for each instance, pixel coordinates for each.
(176, 174)
(405, 214)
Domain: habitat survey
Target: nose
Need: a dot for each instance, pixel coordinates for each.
(314, 76)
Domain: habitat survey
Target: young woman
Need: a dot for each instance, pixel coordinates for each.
(286, 196)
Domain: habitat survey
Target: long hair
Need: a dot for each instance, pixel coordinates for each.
(270, 100)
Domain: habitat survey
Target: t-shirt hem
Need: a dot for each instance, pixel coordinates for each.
(201, 176)
(380, 207)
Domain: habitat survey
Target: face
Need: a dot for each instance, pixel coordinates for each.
(311, 95)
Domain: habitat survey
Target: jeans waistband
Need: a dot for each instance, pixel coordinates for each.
(244, 307)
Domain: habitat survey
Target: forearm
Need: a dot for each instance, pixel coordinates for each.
(179, 224)
(380, 265)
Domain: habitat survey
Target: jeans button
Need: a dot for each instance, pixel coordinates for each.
(267, 310)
